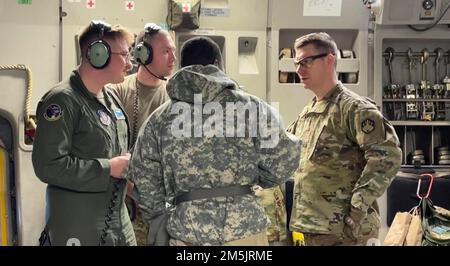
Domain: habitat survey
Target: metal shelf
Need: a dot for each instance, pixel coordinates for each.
(420, 123)
(350, 65)
(417, 54)
(416, 100)
(350, 86)
(426, 166)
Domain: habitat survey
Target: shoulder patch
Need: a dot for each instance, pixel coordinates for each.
(104, 118)
(367, 126)
(53, 112)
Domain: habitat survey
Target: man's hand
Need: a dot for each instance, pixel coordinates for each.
(352, 223)
(119, 164)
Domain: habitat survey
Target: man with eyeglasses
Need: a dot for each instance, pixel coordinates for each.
(142, 92)
(349, 156)
(81, 146)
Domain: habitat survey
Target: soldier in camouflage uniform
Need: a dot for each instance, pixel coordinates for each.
(141, 93)
(273, 202)
(350, 153)
(165, 165)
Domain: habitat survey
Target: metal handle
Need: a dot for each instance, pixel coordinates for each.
(429, 187)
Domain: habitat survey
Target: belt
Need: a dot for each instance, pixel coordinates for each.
(417, 176)
(206, 193)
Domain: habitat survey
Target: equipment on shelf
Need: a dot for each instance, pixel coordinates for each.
(443, 155)
(438, 87)
(421, 101)
(392, 110)
(425, 89)
(412, 111)
(418, 157)
(347, 77)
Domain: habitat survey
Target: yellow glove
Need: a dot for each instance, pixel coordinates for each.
(298, 239)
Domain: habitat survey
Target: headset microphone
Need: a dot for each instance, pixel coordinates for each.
(158, 77)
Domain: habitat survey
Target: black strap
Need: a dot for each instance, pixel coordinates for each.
(44, 239)
(405, 174)
(418, 171)
(206, 193)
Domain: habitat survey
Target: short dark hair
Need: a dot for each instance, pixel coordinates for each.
(201, 51)
(320, 40)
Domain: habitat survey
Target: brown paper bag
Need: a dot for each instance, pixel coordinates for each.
(414, 235)
(398, 230)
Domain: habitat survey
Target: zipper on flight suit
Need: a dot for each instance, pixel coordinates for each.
(115, 194)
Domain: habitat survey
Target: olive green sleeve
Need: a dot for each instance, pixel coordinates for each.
(377, 139)
(52, 159)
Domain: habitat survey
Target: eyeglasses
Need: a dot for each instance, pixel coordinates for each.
(307, 61)
(124, 54)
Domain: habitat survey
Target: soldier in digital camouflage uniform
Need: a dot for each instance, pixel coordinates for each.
(349, 156)
(165, 165)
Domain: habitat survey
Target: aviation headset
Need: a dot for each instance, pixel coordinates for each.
(99, 51)
(143, 53)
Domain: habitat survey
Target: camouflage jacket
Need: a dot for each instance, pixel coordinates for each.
(190, 143)
(350, 154)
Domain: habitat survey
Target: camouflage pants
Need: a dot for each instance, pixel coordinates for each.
(258, 239)
(338, 240)
(139, 226)
(140, 230)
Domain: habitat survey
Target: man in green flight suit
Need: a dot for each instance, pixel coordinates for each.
(81, 146)
(349, 156)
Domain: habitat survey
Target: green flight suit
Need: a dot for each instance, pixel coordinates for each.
(77, 134)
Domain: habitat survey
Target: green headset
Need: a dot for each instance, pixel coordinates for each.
(99, 51)
(143, 53)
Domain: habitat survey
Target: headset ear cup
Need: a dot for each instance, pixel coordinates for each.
(143, 53)
(99, 54)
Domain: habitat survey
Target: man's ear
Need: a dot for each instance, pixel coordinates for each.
(331, 59)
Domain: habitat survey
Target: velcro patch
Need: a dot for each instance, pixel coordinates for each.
(104, 118)
(367, 126)
(53, 112)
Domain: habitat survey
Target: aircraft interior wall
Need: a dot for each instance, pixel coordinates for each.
(256, 38)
